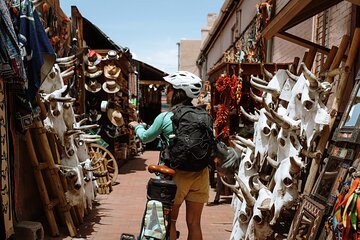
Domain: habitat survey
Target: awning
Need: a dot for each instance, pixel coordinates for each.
(295, 12)
(149, 74)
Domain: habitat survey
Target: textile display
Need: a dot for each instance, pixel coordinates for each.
(36, 49)
(11, 66)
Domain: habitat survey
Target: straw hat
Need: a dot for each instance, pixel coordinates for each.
(93, 86)
(112, 71)
(93, 72)
(111, 87)
(112, 55)
(115, 117)
(93, 58)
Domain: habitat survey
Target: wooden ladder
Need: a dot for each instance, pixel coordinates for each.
(52, 194)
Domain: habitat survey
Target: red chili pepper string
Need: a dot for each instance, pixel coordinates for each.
(221, 121)
(230, 90)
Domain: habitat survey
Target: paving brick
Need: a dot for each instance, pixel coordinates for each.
(121, 211)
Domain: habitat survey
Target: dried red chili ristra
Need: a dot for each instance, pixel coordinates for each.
(221, 83)
(233, 91)
(234, 84)
(239, 91)
(226, 132)
(221, 115)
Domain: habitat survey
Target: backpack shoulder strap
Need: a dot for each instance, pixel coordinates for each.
(162, 136)
(178, 112)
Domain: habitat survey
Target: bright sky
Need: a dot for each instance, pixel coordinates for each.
(150, 29)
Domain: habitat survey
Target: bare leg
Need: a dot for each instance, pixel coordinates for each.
(219, 189)
(193, 220)
(174, 215)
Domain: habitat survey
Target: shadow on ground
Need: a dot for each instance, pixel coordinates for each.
(94, 217)
(84, 229)
(223, 200)
(133, 165)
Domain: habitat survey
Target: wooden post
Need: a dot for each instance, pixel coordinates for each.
(294, 65)
(53, 146)
(329, 59)
(336, 71)
(339, 55)
(303, 60)
(54, 176)
(355, 44)
(310, 58)
(41, 104)
(44, 196)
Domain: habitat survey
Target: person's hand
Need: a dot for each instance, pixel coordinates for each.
(133, 124)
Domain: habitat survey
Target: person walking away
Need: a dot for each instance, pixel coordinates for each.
(192, 186)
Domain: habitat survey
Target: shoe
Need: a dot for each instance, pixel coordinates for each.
(127, 236)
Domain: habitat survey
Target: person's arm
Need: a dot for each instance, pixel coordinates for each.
(150, 134)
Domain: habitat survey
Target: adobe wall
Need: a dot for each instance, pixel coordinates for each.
(224, 41)
(189, 51)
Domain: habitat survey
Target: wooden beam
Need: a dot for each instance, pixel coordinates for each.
(315, 7)
(303, 42)
(285, 15)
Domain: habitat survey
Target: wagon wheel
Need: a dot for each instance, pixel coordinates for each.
(97, 151)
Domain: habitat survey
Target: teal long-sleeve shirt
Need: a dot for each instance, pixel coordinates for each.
(161, 124)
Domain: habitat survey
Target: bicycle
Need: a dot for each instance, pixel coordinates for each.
(156, 221)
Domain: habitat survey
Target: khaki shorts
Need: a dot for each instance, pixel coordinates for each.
(192, 186)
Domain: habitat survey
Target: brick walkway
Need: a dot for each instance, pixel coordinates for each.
(121, 211)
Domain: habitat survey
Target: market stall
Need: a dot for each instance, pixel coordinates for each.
(52, 92)
(298, 174)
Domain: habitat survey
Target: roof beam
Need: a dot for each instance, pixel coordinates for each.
(291, 9)
(303, 42)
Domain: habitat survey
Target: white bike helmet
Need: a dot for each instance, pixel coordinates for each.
(186, 81)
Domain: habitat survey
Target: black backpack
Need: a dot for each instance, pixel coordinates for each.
(192, 144)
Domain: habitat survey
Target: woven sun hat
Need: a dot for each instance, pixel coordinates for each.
(115, 117)
(92, 58)
(112, 71)
(93, 72)
(112, 55)
(93, 86)
(111, 87)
